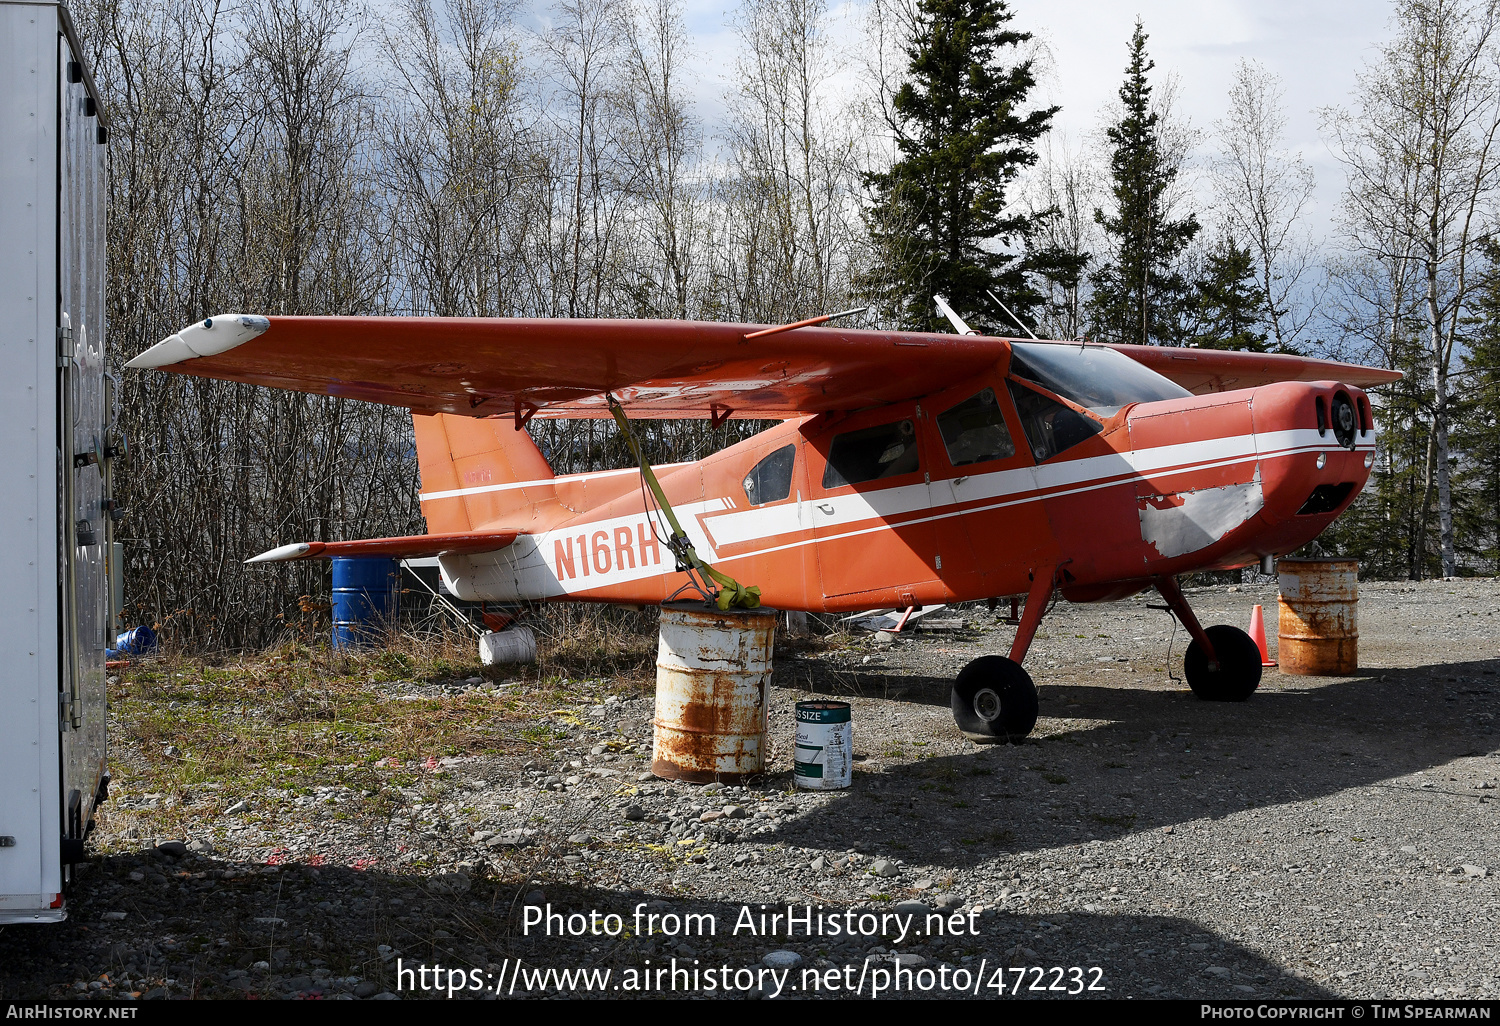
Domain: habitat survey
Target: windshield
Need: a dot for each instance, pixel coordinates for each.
(1098, 379)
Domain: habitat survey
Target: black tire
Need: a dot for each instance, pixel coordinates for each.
(1238, 674)
(993, 699)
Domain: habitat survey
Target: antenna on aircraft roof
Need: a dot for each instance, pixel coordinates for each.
(1012, 315)
(953, 318)
(825, 318)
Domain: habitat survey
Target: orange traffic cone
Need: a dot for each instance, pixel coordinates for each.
(1258, 632)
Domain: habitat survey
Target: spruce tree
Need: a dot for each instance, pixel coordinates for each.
(963, 134)
(1230, 306)
(1476, 423)
(1141, 295)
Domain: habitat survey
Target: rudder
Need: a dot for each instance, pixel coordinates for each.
(466, 464)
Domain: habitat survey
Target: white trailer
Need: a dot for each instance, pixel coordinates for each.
(56, 513)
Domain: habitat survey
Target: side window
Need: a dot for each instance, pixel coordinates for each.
(1050, 426)
(888, 450)
(974, 431)
(771, 478)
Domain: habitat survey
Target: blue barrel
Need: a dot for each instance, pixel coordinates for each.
(136, 641)
(365, 600)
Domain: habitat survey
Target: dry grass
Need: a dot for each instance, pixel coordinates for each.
(203, 732)
(576, 640)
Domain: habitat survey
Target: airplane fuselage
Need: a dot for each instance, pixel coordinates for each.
(964, 494)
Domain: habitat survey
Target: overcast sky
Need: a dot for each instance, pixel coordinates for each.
(1315, 46)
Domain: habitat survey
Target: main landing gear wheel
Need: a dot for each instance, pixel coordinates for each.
(994, 700)
(1238, 674)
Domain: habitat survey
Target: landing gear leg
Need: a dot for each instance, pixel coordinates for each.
(1222, 663)
(994, 699)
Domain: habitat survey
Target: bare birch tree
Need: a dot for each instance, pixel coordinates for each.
(663, 147)
(1422, 159)
(1067, 182)
(584, 47)
(451, 156)
(791, 195)
(1263, 192)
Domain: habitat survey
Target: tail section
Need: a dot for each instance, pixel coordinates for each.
(478, 472)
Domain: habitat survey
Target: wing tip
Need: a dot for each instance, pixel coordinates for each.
(282, 553)
(208, 337)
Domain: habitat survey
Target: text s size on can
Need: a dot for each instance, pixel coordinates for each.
(825, 745)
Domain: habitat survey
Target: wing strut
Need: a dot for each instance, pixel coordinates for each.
(703, 577)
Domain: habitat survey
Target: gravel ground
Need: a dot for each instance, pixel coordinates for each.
(1330, 837)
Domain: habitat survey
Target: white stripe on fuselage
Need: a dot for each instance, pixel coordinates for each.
(1048, 480)
(458, 493)
(528, 563)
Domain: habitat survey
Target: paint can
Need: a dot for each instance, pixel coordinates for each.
(824, 758)
(713, 674)
(1318, 625)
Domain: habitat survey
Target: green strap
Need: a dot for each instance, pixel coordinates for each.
(730, 592)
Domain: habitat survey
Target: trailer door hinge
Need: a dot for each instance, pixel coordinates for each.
(67, 712)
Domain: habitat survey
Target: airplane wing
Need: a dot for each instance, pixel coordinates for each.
(659, 369)
(562, 368)
(1218, 370)
(410, 545)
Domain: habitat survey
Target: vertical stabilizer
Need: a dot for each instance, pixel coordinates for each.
(471, 467)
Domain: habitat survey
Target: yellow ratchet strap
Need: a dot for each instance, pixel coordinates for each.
(729, 592)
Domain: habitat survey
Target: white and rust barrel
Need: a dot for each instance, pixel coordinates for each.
(1318, 627)
(713, 675)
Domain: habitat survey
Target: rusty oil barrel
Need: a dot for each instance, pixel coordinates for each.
(713, 672)
(1318, 629)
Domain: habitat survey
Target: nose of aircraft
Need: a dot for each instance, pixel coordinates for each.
(1232, 477)
(1316, 445)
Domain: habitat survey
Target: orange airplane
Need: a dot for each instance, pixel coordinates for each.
(909, 468)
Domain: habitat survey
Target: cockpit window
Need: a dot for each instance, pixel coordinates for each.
(974, 431)
(888, 450)
(1050, 426)
(1094, 377)
(771, 479)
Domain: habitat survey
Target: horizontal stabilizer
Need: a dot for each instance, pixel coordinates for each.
(412, 545)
